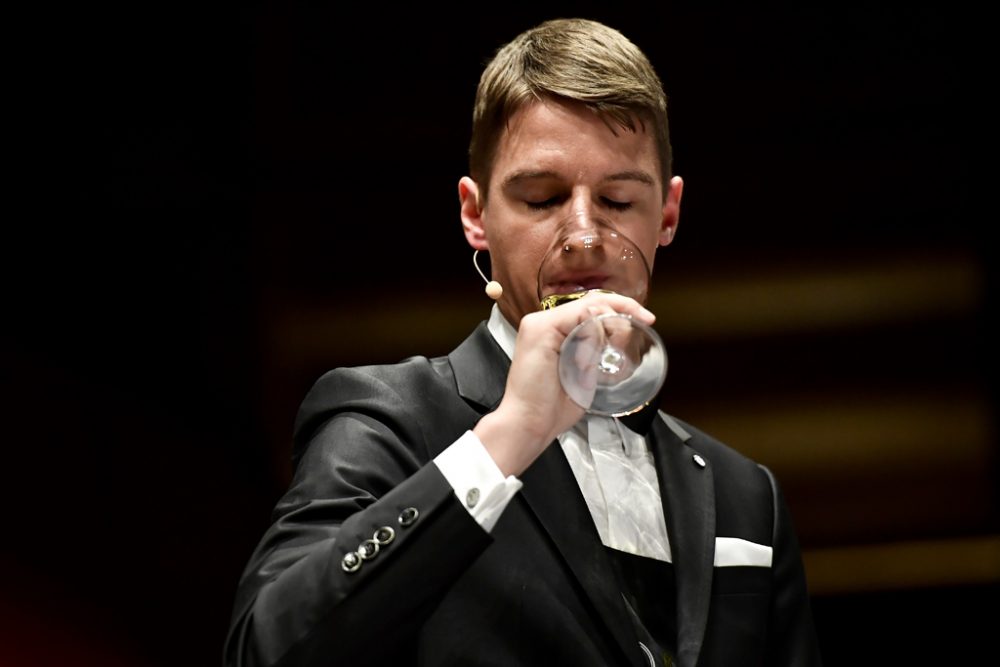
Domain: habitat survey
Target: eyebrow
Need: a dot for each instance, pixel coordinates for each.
(634, 175)
(527, 174)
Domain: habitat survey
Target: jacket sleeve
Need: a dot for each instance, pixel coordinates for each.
(366, 539)
(791, 636)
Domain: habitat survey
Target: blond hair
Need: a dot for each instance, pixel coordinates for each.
(568, 59)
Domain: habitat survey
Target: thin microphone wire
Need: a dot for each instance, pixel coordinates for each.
(475, 263)
(493, 289)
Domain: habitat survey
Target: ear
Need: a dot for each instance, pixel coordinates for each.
(671, 213)
(472, 214)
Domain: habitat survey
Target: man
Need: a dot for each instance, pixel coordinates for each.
(451, 511)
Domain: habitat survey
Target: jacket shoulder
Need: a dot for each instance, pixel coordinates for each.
(402, 396)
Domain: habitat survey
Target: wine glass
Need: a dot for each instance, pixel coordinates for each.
(609, 364)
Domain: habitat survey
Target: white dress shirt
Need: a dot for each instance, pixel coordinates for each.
(612, 465)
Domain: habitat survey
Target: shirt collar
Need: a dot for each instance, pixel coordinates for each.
(503, 333)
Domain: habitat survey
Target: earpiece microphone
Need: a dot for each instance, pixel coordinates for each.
(493, 288)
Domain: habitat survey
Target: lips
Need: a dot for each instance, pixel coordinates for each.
(569, 283)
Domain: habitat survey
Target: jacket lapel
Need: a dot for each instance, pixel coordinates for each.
(689, 504)
(480, 367)
(554, 496)
(551, 491)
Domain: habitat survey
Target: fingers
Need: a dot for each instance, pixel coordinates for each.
(615, 303)
(536, 406)
(568, 315)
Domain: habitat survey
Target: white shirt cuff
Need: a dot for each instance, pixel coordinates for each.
(478, 483)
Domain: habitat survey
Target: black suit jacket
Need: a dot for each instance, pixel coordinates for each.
(538, 589)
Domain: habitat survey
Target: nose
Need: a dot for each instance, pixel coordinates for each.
(582, 215)
(582, 230)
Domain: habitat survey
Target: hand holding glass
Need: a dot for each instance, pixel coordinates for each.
(609, 364)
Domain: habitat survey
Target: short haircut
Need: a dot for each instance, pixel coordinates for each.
(568, 60)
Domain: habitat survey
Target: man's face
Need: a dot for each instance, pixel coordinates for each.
(558, 160)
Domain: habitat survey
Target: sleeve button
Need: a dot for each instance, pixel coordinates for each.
(408, 516)
(351, 562)
(368, 549)
(384, 535)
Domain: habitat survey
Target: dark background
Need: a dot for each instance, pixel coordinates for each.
(210, 207)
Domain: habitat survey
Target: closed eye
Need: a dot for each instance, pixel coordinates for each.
(542, 205)
(616, 205)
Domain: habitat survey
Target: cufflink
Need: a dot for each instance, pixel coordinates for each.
(472, 497)
(408, 516)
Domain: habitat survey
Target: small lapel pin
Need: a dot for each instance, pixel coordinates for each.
(700, 462)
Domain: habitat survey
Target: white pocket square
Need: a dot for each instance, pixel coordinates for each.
(734, 552)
